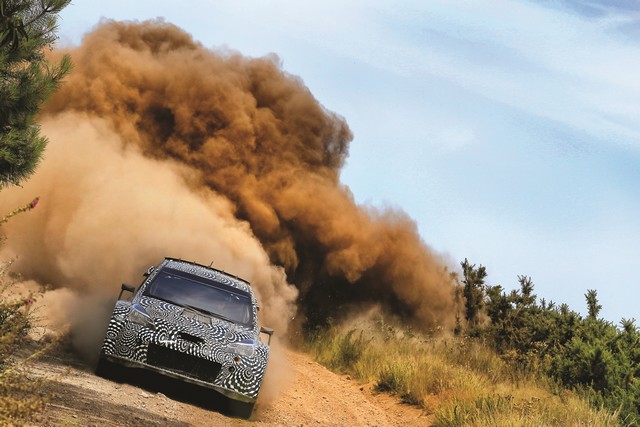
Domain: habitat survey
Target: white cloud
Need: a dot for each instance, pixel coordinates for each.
(545, 62)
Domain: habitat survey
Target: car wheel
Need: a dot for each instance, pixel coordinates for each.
(105, 369)
(240, 409)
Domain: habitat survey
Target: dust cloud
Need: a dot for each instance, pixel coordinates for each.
(162, 147)
(107, 213)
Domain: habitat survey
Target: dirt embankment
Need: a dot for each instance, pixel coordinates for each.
(313, 396)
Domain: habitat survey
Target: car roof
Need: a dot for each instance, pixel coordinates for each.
(207, 272)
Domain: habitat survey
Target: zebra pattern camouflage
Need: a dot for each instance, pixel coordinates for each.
(187, 344)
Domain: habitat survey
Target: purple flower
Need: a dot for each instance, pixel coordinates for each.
(34, 203)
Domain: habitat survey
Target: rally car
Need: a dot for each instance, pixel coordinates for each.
(194, 323)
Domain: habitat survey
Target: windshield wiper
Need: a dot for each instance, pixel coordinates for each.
(197, 309)
(208, 313)
(220, 316)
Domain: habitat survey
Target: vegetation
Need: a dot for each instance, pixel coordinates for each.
(458, 381)
(27, 79)
(514, 361)
(590, 355)
(473, 291)
(21, 396)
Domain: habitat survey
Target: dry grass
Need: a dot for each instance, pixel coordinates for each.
(458, 381)
(21, 395)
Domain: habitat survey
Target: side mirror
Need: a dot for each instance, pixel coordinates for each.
(268, 331)
(127, 288)
(149, 271)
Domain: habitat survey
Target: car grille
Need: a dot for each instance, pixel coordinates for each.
(182, 363)
(191, 338)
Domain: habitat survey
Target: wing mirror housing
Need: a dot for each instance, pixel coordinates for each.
(268, 331)
(127, 288)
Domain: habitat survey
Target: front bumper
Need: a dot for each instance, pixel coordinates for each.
(180, 347)
(178, 375)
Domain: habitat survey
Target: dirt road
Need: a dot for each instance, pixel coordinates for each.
(310, 396)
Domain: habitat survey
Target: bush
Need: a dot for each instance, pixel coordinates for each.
(589, 355)
(21, 395)
(339, 352)
(458, 381)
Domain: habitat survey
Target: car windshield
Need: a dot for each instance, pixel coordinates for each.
(202, 294)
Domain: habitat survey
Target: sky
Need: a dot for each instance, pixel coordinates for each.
(508, 130)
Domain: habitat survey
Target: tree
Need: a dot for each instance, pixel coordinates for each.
(473, 290)
(592, 303)
(27, 79)
(526, 297)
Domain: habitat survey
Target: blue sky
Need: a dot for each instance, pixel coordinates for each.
(509, 130)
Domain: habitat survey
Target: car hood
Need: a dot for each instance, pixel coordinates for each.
(169, 318)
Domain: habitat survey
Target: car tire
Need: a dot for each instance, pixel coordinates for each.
(105, 368)
(240, 409)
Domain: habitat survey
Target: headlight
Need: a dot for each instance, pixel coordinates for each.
(139, 316)
(243, 348)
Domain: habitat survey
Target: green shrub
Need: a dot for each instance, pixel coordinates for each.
(459, 381)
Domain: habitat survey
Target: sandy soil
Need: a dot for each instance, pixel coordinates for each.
(312, 396)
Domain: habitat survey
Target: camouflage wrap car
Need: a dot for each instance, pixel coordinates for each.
(194, 323)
